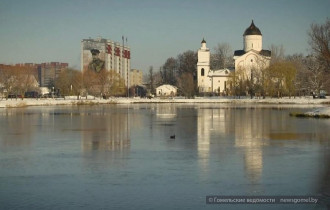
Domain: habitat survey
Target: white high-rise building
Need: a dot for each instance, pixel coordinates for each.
(115, 55)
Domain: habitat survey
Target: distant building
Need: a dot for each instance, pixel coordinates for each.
(115, 56)
(251, 57)
(48, 72)
(45, 73)
(166, 90)
(135, 77)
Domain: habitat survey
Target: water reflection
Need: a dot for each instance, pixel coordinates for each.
(166, 111)
(18, 127)
(251, 134)
(251, 129)
(92, 154)
(106, 130)
(209, 122)
(246, 128)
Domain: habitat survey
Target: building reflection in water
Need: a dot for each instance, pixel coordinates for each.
(166, 111)
(206, 123)
(248, 128)
(251, 134)
(106, 130)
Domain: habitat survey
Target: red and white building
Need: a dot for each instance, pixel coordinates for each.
(116, 56)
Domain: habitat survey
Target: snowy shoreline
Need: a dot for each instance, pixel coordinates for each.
(12, 103)
(322, 110)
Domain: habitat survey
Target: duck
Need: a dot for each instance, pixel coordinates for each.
(172, 137)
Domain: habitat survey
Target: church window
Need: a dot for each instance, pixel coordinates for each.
(252, 45)
(202, 72)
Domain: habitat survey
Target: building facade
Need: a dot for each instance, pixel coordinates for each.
(251, 58)
(48, 72)
(115, 56)
(166, 90)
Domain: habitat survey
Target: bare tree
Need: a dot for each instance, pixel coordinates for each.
(237, 81)
(69, 82)
(6, 80)
(168, 71)
(151, 80)
(278, 54)
(316, 75)
(186, 84)
(319, 40)
(116, 84)
(18, 79)
(181, 72)
(187, 63)
(90, 82)
(222, 56)
(301, 82)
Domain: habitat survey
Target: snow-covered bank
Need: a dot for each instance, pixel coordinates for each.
(73, 101)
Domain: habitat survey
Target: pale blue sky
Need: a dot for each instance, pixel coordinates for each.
(44, 31)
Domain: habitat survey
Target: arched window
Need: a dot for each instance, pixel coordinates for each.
(202, 72)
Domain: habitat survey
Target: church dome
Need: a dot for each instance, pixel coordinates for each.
(252, 30)
(203, 41)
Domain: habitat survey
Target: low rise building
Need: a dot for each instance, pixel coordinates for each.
(166, 90)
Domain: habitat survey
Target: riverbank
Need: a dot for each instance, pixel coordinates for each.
(12, 103)
(322, 112)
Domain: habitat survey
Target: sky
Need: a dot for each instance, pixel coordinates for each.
(37, 31)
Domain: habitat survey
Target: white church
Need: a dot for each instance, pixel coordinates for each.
(251, 58)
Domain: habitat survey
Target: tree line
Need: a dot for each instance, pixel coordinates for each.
(103, 84)
(17, 80)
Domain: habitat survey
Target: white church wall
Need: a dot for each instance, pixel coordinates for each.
(252, 42)
(251, 60)
(219, 84)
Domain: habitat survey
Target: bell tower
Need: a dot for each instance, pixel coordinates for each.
(203, 68)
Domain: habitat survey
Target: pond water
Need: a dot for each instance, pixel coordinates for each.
(123, 156)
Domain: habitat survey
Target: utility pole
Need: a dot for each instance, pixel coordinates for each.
(123, 64)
